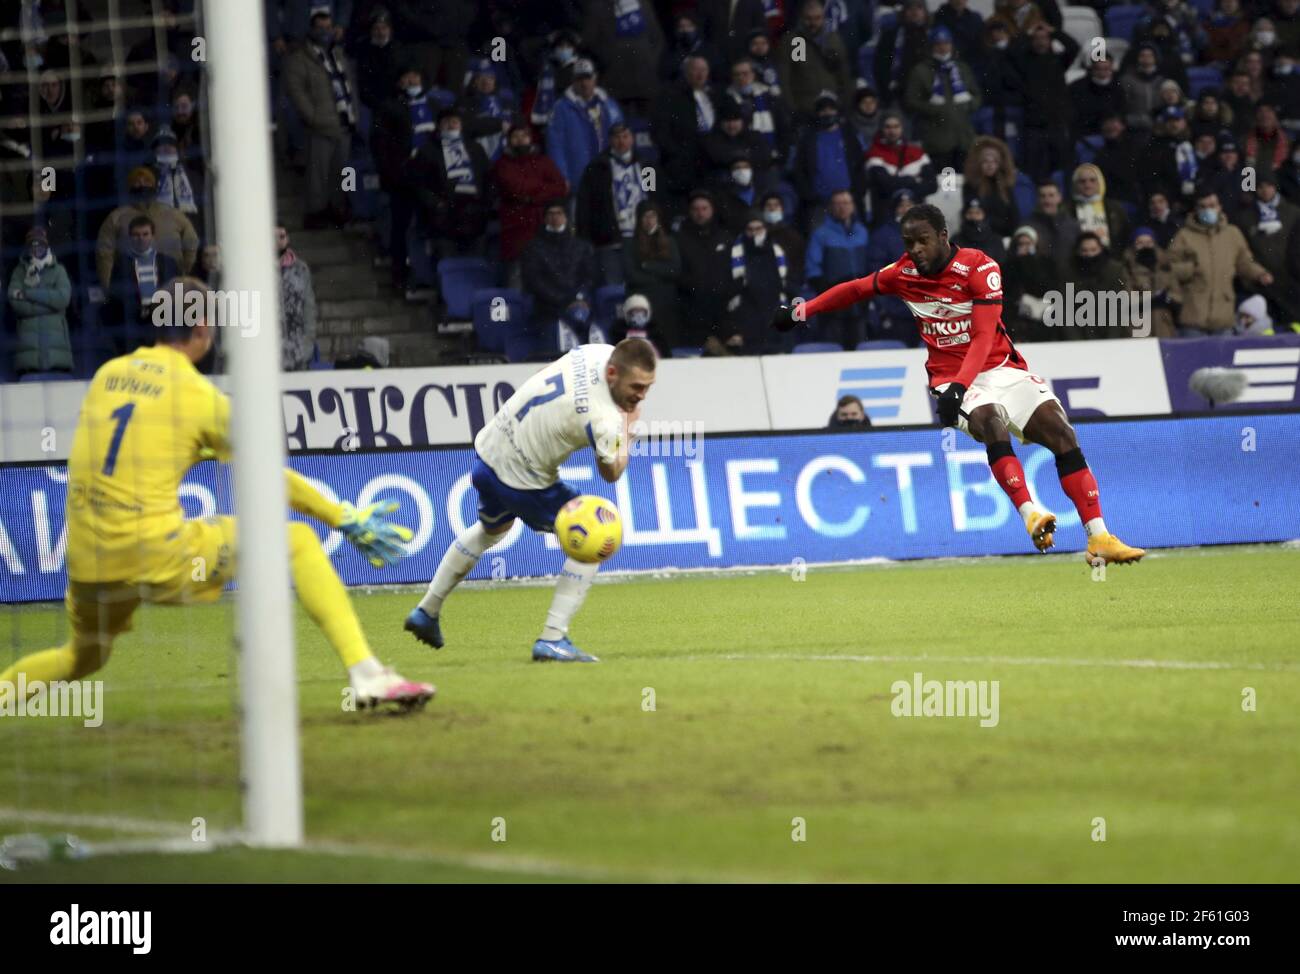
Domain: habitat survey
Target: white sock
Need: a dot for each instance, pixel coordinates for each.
(1025, 510)
(1095, 526)
(368, 668)
(570, 591)
(458, 562)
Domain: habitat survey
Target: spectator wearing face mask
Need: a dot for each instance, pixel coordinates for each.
(452, 176)
(318, 80)
(1206, 255)
(758, 287)
(177, 187)
(608, 197)
(1253, 318)
(790, 239)
(580, 123)
(849, 417)
(173, 233)
(894, 163)
(1028, 277)
(1147, 271)
(559, 270)
(297, 308)
(1140, 82)
(39, 294)
(1094, 212)
(688, 41)
(555, 74)
(736, 196)
(136, 276)
(1269, 224)
(1093, 269)
(829, 159)
(524, 180)
(943, 93)
(652, 266)
(731, 140)
(639, 320)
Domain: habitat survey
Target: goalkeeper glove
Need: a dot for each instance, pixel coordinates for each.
(783, 318)
(950, 403)
(370, 531)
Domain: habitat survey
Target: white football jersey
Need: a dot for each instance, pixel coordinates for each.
(558, 411)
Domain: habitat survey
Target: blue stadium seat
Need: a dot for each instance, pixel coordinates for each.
(813, 348)
(687, 352)
(526, 346)
(983, 121)
(492, 331)
(458, 278)
(1026, 195)
(1204, 7)
(879, 345)
(1200, 78)
(47, 377)
(867, 62)
(420, 253)
(1086, 148)
(1122, 20)
(609, 299)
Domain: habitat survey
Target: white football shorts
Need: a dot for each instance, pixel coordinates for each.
(1018, 392)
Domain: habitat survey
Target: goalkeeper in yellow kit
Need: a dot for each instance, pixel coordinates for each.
(147, 418)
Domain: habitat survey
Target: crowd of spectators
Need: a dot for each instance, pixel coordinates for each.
(712, 158)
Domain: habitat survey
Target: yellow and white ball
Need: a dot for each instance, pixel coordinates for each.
(589, 529)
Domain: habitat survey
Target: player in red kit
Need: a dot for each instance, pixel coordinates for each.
(982, 384)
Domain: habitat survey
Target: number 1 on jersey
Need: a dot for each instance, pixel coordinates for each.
(556, 382)
(123, 416)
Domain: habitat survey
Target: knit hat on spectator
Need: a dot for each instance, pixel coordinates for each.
(164, 134)
(941, 35)
(1170, 112)
(730, 109)
(583, 68)
(899, 195)
(140, 175)
(1026, 231)
(1227, 142)
(37, 234)
(825, 98)
(1142, 232)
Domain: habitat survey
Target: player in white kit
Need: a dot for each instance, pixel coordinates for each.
(587, 398)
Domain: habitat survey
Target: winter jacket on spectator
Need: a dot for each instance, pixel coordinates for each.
(1019, 18)
(457, 206)
(43, 343)
(1056, 234)
(558, 269)
(524, 184)
(626, 37)
(400, 127)
(706, 278)
(1156, 279)
(129, 301)
(1102, 273)
(1226, 33)
(730, 23)
(967, 29)
(1265, 151)
(1101, 215)
(309, 87)
(721, 150)
(1141, 97)
(766, 116)
(796, 251)
(996, 194)
(596, 211)
(1181, 20)
(297, 313)
(901, 48)
(943, 106)
(1118, 159)
(652, 265)
(1091, 102)
(886, 246)
(982, 237)
(676, 126)
(174, 236)
(1269, 227)
(836, 253)
(572, 140)
(676, 51)
(733, 202)
(825, 67)
(1205, 260)
(1030, 276)
(1046, 94)
(829, 160)
(486, 118)
(758, 277)
(1161, 164)
(891, 167)
(377, 69)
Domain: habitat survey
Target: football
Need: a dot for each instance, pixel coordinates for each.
(589, 528)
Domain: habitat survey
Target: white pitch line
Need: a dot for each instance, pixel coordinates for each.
(1143, 664)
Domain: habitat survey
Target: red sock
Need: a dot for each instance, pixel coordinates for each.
(1011, 476)
(1081, 487)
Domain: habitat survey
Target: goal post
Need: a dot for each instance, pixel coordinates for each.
(239, 111)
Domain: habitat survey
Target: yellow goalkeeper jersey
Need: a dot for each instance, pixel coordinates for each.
(147, 418)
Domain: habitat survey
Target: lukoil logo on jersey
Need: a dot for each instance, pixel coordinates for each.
(1271, 373)
(880, 389)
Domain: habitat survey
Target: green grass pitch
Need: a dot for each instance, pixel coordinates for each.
(1119, 700)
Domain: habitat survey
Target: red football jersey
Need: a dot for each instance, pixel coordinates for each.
(945, 309)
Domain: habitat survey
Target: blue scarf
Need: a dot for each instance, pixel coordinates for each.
(493, 106)
(422, 124)
(738, 269)
(950, 71)
(544, 100)
(1185, 156)
(627, 194)
(455, 154)
(628, 19)
(331, 61)
(837, 12)
(1268, 213)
